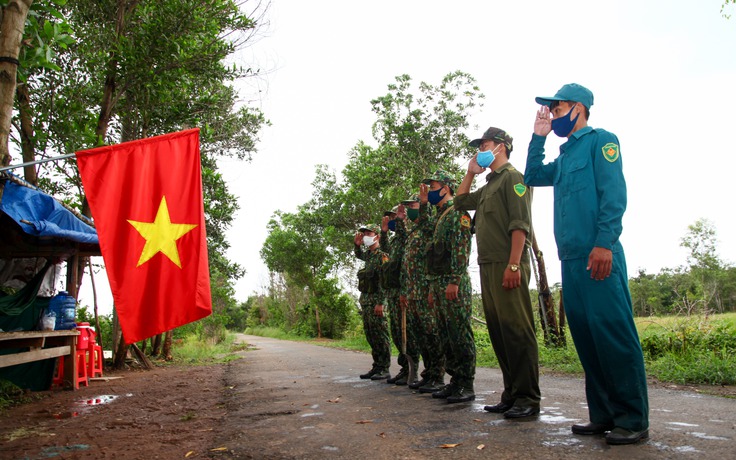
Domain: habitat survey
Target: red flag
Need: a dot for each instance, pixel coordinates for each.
(146, 201)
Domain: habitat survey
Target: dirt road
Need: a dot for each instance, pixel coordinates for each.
(288, 400)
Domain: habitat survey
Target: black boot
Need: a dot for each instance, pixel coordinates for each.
(431, 386)
(369, 374)
(418, 383)
(445, 391)
(461, 394)
(402, 374)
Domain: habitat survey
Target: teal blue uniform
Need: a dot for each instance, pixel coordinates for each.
(589, 203)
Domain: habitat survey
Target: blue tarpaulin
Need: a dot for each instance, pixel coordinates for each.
(39, 214)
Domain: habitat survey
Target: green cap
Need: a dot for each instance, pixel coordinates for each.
(412, 199)
(569, 92)
(441, 176)
(370, 227)
(495, 134)
(393, 210)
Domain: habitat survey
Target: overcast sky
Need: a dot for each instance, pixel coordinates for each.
(662, 73)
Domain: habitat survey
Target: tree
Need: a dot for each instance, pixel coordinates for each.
(705, 264)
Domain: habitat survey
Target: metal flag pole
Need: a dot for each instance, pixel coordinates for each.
(35, 162)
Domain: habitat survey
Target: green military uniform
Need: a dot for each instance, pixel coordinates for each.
(503, 205)
(375, 327)
(422, 321)
(394, 246)
(447, 263)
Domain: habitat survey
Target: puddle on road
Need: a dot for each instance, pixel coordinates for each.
(313, 414)
(555, 419)
(82, 406)
(330, 448)
(708, 437)
(681, 424)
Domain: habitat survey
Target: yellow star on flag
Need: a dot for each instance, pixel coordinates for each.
(161, 235)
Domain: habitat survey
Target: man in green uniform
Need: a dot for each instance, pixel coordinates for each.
(422, 320)
(502, 228)
(590, 200)
(450, 289)
(391, 284)
(372, 300)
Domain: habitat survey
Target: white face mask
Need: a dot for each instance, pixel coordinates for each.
(368, 241)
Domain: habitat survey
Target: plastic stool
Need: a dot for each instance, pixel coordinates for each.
(58, 379)
(81, 369)
(95, 360)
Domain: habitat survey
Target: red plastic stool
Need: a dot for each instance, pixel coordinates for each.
(81, 369)
(95, 359)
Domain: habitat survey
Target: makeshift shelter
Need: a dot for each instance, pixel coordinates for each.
(35, 226)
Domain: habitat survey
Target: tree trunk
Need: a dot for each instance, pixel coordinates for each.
(166, 352)
(156, 345)
(12, 26)
(26, 133)
(546, 302)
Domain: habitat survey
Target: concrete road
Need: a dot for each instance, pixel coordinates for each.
(296, 400)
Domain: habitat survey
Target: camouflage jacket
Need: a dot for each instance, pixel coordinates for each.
(373, 261)
(450, 231)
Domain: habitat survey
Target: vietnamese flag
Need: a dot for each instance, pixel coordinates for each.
(146, 202)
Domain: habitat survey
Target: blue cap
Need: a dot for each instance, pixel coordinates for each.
(569, 92)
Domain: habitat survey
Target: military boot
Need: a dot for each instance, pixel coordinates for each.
(380, 375)
(402, 374)
(445, 391)
(461, 394)
(369, 374)
(418, 383)
(431, 386)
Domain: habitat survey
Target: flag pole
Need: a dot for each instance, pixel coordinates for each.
(35, 162)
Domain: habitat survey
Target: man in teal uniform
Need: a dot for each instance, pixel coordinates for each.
(502, 229)
(372, 300)
(450, 289)
(590, 200)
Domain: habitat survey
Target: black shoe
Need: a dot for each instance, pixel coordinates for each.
(380, 375)
(445, 391)
(402, 373)
(418, 383)
(368, 374)
(431, 386)
(403, 380)
(620, 436)
(591, 428)
(521, 412)
(499, 408)
(461, 394)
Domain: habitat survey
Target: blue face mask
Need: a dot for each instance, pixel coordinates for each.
(392, 225)
(434, 196)
(484, 159)
(563, 126)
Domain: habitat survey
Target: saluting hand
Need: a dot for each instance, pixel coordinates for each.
(600, 262)
(474, 167)
(378, 310)
(543, 122)
(423, 193)
(384, 223)
(401, 212)
(359, 238)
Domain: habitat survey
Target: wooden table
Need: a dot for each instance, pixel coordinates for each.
(42, 345)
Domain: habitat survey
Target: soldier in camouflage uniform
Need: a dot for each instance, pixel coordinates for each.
(422, 321)
(372, 301)
(390, 282)
(450, 287)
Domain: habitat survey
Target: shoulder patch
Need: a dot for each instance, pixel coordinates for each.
(465, 221)
(610, 152)
(520, 189)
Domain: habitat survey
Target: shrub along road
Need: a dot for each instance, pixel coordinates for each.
(287, 400)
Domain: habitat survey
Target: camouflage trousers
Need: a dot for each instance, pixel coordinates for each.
(394, 313)
(376, 332)
(456, 331)
(428, 338)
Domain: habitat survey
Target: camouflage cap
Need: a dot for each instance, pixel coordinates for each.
(370, 227)
(393, 210)
(412, 199)
(497, 135)
(443, 177)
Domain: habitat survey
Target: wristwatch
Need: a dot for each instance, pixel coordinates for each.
(514, 267)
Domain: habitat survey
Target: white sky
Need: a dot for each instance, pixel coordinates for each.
(662, 72)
